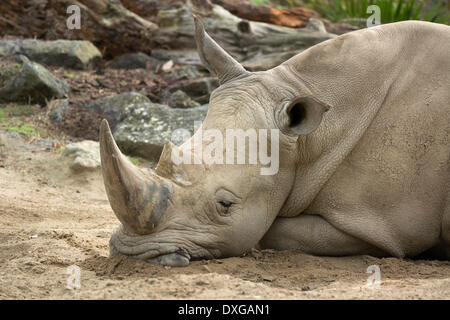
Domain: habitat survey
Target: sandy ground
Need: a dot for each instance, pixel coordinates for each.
(52, 218)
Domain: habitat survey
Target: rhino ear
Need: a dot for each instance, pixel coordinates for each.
(301, 116)
(216, 59)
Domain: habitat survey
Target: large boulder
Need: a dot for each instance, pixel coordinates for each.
(147, 126)
(32, 83)
(64, 53)
(112, 107)
(141, 127)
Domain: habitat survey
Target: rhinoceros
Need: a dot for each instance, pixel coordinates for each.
(370, 176)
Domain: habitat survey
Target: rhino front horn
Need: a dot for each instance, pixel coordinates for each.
(139, 200)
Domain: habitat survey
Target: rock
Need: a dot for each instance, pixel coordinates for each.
(181, 56)
(147, 126)
(185, 72)
(85, 155)
(135, 61)
(198, 89)
(112, 107)
(8, 138)
(7, 72)
(179, 99)
(33, 83)
(106, 23)
(57, 108)
(141, 127)
(317, 25)
(63, 53)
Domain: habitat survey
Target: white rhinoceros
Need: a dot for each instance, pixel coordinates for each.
(371, 176)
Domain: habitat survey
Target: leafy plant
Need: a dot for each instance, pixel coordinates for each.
(355, 11)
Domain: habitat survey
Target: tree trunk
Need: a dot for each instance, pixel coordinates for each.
(294, 18)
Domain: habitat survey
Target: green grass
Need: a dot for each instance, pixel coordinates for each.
(134, 161)
(267, 2)
(59, 150)
(2, 116)
(21, 111)
(8, 121)
(69, 75)
(23, 129)
(354, 11)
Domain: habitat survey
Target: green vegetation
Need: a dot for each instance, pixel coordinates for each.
(69, 75)
(2, 116)
(355, 11)
(9, 122)
(267, 2)
(59, 150)
(23, 129)
(21, 111)
(134, 161)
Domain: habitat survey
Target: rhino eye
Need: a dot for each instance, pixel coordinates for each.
(223, 207)
(225, 204)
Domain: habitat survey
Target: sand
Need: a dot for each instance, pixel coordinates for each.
(52, 218)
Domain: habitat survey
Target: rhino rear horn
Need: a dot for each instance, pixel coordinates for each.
(139, 200)
(216, 59)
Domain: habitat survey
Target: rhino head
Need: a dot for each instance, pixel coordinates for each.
(210, 209)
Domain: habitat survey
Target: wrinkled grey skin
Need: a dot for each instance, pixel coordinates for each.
(371, 176)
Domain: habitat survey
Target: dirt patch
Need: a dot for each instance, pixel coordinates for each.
(51, 218)
(86, 86)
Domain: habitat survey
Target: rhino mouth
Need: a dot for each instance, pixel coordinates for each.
(144, 247)
(176, 259)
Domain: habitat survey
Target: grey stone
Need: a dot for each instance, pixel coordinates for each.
(198, 89)
(85, 155)
(135, 61)
(7, 72)
(179, 99)
(64, 53)
(147, 126)
(185, 72)
(33, 83)
(57, 108)
(112, 107)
